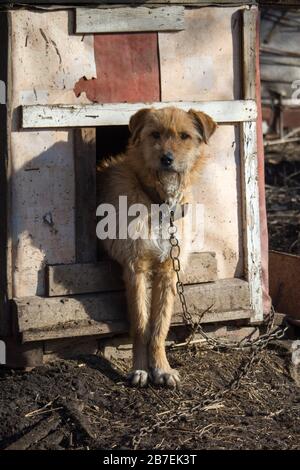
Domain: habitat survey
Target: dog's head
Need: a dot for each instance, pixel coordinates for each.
(170, 139)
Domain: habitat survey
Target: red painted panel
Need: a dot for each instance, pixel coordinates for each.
(127, 69)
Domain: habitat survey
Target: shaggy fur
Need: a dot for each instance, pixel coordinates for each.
(141, 175)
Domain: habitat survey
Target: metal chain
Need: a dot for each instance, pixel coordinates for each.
(186, 413)
(259, 343)
(256, 346)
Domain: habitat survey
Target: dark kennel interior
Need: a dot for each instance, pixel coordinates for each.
(111, 141)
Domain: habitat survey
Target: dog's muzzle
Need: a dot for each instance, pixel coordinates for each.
(167, 160)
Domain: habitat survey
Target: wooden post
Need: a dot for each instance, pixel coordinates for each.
(85, 199)
(251, 222)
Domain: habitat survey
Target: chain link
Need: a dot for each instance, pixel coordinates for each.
(259, 343)
(255, 346)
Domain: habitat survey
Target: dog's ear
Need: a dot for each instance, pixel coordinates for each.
(205, 125)
(137, 122)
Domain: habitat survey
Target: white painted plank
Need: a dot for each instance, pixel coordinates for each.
(251, 222)
(250, 194)
(47, 116)
(129, 19)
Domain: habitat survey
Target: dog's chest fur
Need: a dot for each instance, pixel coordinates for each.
(167, 193)
(119, 180)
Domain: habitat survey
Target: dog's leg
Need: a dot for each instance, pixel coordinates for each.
(163, 292)
(136, 289)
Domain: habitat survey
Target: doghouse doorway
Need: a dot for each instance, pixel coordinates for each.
(110, 142)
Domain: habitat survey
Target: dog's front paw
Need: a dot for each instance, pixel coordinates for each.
(138, 378)
(168, 378)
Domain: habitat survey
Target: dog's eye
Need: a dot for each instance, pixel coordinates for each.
(155, 135)
(184, 136)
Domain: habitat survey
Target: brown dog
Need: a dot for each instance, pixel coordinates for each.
(160, 165)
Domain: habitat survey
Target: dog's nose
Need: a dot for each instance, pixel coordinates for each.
(167, 159)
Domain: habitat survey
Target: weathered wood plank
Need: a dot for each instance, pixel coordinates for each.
(85, 194)
(155, 2)
(251, 218)
(251, 221)
(202, 61)
(132, 75)
(43, 182)
(117, 328)
(38, 318)
(117, 114)
(249, 53)
(129, 19)
(66, 279)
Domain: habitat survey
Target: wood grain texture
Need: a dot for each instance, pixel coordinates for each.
(54, 116)
(107, 275)
(44, 70)
(129, 19)
(249, 53)
(251, 216)
(251, 221)
(38, 318)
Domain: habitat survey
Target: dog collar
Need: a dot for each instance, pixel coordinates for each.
(179, 210)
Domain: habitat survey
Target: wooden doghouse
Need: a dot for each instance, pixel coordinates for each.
(74, 77)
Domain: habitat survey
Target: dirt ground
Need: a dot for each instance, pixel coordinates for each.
(86, 404)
